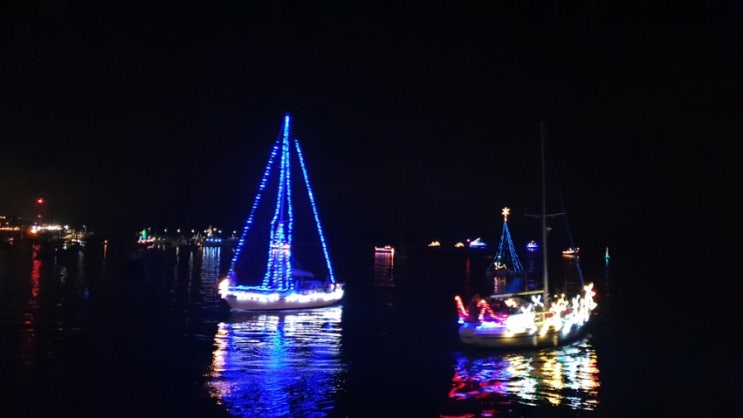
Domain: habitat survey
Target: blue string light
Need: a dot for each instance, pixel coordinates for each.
(509, 257)
(278, 273)
(311, 195)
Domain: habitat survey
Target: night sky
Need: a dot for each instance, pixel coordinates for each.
(417, 121)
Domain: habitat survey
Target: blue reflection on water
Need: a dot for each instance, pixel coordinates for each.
(279, 364)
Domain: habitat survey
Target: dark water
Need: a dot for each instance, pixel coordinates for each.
(96, 333)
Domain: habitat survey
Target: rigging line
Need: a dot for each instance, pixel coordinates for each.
(572, 244)
(567, 224)
(549, 215)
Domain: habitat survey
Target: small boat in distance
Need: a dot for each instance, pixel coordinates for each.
(434, 244)
(387, 249)
(571, 252)
(145, 240)
(265, 273)
(478, 243)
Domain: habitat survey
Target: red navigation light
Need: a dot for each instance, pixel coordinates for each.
(40, 200)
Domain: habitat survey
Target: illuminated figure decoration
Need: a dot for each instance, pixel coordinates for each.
(265, 272)
(516, 317)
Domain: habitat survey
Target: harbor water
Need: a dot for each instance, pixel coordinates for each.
(107, 331)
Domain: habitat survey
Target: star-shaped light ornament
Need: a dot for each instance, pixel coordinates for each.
(506, 211)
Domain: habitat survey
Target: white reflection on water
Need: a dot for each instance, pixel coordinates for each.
(563, 376)
(278, 364)
(210, 264)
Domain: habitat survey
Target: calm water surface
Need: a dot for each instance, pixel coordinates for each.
(96, 332)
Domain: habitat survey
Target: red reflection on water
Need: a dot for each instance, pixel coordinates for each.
(35, 275)
(29, 343)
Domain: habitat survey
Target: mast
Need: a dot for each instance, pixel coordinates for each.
(279, 270)
(545, 274)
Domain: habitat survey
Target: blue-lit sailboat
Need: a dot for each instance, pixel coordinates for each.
(516, 317)
(265, 272)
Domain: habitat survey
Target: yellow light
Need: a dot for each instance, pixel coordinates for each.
(506, 211)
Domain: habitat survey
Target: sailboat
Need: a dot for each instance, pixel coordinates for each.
(518, 318)
(265, 272)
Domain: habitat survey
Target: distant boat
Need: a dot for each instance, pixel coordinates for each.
(272, 258)
(478, 243)
(524, 319)
(145, 240)
(571, 252)
(218, 241)
(387, 249)
(434, 244)
(212, 237)
(212, 241)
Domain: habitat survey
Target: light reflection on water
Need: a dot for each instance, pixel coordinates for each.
(210, 273)
(563, 376)
(274, 364)
(384, 269)
(278, 364)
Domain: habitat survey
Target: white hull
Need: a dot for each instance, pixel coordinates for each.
(244, 298)
(499, 337)
(384, 250)
(570, 253)
(485, 323)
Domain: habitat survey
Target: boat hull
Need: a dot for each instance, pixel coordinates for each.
(384, 250)
(244, 299)
(499, 337)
